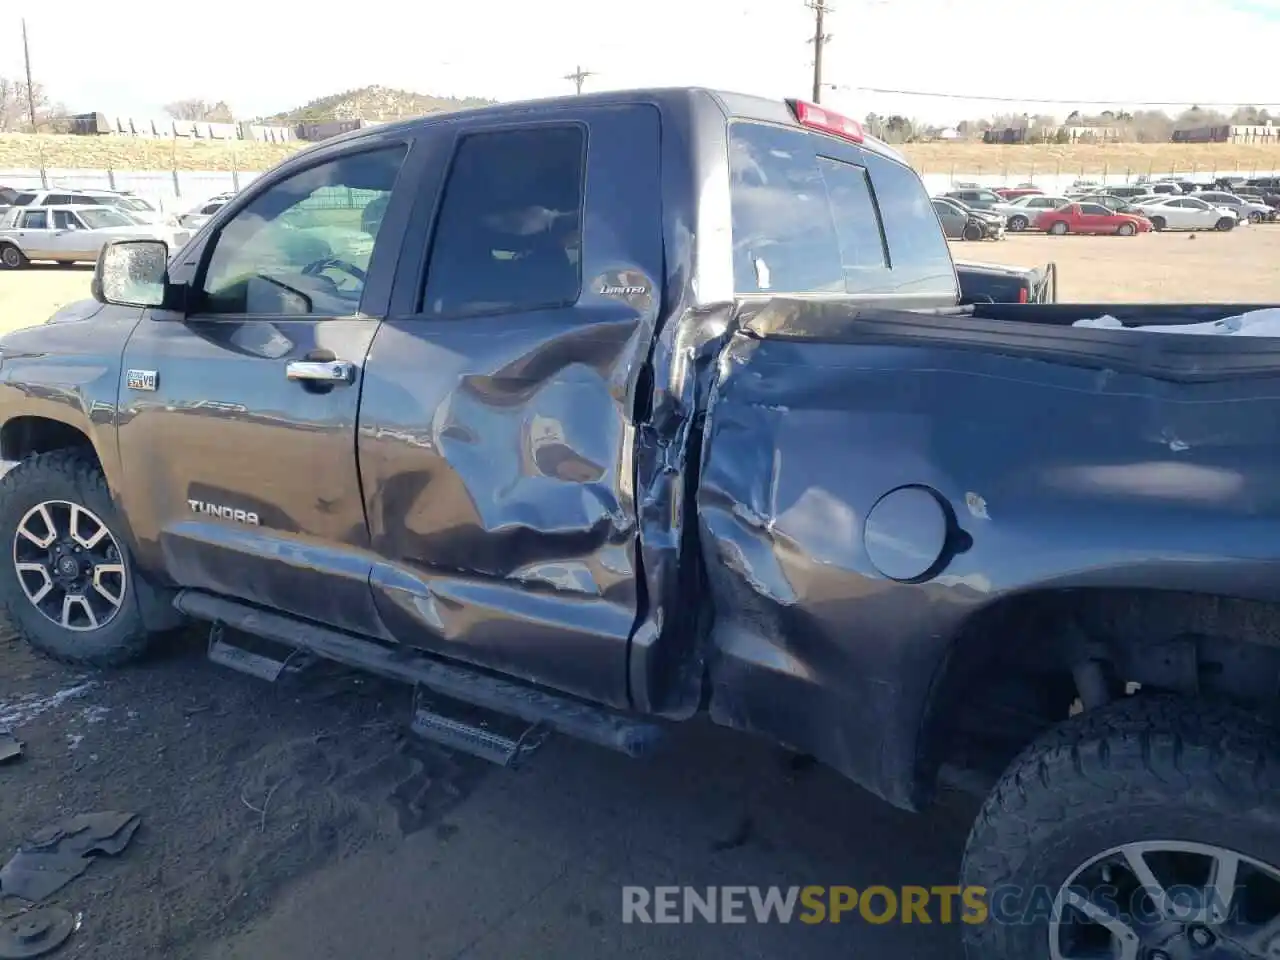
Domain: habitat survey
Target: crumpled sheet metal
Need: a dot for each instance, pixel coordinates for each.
(54, 856)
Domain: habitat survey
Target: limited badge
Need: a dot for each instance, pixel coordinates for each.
(141, 380)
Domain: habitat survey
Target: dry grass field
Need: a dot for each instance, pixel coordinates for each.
(25, 151)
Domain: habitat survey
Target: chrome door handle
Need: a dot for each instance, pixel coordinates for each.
(323, 371)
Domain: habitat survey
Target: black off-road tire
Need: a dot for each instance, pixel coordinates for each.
(1144, 768)
(11, 258)
(71, 476)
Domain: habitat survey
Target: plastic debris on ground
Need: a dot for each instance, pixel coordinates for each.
(1255, 323)
(53, 857)
(10, 747)
(35, 933)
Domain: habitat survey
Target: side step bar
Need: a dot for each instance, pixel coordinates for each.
(535, 706)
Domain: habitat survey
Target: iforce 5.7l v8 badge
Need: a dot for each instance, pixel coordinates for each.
(141, 380)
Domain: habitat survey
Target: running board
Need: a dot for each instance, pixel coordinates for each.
(536, 706)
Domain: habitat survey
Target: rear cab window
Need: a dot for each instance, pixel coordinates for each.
(815, 215)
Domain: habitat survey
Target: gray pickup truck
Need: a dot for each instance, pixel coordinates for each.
(623, 408)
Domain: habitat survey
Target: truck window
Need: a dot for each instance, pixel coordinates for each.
(508, 235)
(806, 221)
(299, 248)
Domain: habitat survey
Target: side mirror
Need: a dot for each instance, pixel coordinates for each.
(133, 273)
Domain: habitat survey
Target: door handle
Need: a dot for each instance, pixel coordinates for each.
(331, 372)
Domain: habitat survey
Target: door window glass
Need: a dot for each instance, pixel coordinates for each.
(508, 237)
(303, 245)
(35, 220)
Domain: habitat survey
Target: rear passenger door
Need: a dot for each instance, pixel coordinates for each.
(501, 398)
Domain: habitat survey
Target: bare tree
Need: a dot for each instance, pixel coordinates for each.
(197, 109)
(13, 106)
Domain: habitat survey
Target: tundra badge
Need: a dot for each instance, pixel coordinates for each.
(141, 379)
(227, 513)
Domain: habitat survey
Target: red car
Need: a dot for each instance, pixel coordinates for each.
(1013, 193)
(1091, 218)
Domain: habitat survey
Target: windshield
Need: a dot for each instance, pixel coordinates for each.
(134, 203)
(101, 218)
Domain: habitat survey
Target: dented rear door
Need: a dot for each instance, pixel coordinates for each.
(498, 414)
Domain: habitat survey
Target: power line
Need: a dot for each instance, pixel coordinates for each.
(819, 40)
(1060, 102)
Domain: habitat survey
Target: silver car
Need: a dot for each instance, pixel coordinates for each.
(72, 234)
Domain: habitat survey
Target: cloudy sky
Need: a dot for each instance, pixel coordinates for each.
(262, 57)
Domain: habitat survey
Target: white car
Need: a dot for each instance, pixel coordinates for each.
(1186, 213)
(197, 218)
(73, 234)
(1020, 214)
(141, 210)
(1255, 211)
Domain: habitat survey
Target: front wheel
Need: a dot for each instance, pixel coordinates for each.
(973, 232)
(1126, 230)
(1158, 223)
(1255, 217)
(1058, 228)
(1018, 224)
(1225, 224)
(1146, 829)
(67, 583)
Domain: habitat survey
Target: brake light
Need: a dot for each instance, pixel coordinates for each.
(1022, 295)
(820, 118)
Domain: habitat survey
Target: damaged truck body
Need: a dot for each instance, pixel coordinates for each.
(609, 411)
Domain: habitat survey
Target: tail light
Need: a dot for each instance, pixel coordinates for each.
(1023, 295)
(820, 118)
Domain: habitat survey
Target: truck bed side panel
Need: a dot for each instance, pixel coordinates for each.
(1047, 475)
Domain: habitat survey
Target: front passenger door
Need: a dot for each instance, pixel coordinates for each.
(238, 418)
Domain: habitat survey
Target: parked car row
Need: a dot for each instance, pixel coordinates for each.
(135, 207)
(73, 233)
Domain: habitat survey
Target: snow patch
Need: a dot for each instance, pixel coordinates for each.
(29, 706)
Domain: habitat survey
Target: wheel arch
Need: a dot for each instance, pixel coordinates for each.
(1019, 662)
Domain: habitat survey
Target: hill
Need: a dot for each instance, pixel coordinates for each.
(372, 103)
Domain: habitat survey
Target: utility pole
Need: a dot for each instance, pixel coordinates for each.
(820, 8)
(578, 76)
(31, 90)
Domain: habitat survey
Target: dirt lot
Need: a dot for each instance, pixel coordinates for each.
(299, 821)
(1239, 266)
(1165, 267)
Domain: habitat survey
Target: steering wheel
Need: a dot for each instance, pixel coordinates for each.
(317, 267)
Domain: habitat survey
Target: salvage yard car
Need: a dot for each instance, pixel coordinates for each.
(1186, 213)
(71, 234)
(1091, 218)
(961, 223)
(652, 404)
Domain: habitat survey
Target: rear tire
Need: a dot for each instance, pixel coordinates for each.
(1180, 777)
(1158, 223)
(1018, 224)
(1058, 228)
(1225, 224)
(11, 258)
(68, 614)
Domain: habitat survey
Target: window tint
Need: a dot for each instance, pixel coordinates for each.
(35, 220)
(508, 237)
(1094, 209)
(65, 220)
(24, 199)
(804, 222)
(918, 252)
(56, 198)
(300, 247)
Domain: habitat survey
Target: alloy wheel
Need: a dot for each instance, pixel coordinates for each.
(69, 565)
